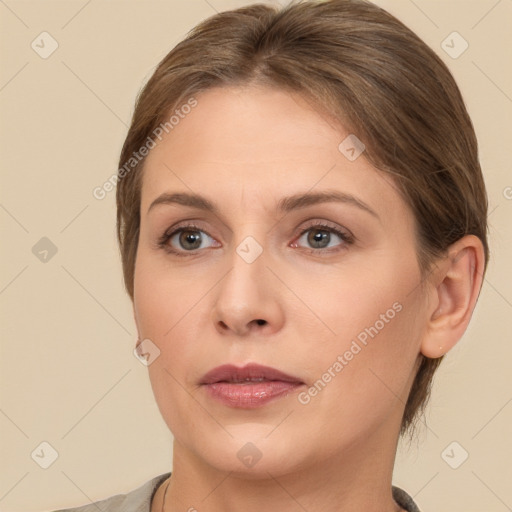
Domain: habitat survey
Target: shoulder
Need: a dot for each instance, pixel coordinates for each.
(138, 500)
(404, 500)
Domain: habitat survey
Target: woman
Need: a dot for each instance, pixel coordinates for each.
(302, 222)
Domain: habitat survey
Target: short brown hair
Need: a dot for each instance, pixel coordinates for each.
(364, 68)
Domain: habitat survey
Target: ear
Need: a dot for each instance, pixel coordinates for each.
(136, 323)
(456, 286)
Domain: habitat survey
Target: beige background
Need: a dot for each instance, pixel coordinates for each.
(68, 375)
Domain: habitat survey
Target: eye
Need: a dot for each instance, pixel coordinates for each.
(319, 236)
(185, 239)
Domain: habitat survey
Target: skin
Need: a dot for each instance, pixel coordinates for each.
(245, 149)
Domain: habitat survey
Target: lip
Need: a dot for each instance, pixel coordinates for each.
(249, 386)
(239, 374)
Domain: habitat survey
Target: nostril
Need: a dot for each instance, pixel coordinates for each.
(261, 322)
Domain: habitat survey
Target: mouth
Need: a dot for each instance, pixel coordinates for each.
(249, 386)
(246, 374)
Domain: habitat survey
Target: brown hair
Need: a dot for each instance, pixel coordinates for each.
(359, 65)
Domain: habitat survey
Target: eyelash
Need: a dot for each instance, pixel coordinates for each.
(162, 243)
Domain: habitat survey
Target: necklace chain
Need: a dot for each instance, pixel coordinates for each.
(167, 488)
(165, 494)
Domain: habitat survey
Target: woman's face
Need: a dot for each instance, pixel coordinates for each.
(265, 279)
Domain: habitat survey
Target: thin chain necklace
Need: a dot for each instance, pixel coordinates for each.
(167, 488)
(165, 494)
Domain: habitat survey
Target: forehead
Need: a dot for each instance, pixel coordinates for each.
(256, 144)
(237, 123)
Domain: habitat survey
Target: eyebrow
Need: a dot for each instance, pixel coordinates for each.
(285, 205)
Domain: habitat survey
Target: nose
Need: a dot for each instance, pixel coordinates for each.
(248, 299)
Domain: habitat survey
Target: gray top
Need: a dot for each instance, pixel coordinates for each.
(139, 500)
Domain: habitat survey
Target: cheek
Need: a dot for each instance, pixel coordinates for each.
(169, 306)
(374, 317)
(163, 296)
(365, 300)
(163, 303)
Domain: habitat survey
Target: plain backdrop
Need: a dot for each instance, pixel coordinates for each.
(68, 374)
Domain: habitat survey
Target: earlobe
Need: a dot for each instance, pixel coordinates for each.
(460, 278)
(135, 321)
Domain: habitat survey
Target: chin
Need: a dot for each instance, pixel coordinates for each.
(250, 454)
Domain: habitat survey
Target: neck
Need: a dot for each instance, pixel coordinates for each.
(357, 479)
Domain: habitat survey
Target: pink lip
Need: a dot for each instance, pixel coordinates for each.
(248, 387)
(232, 373)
